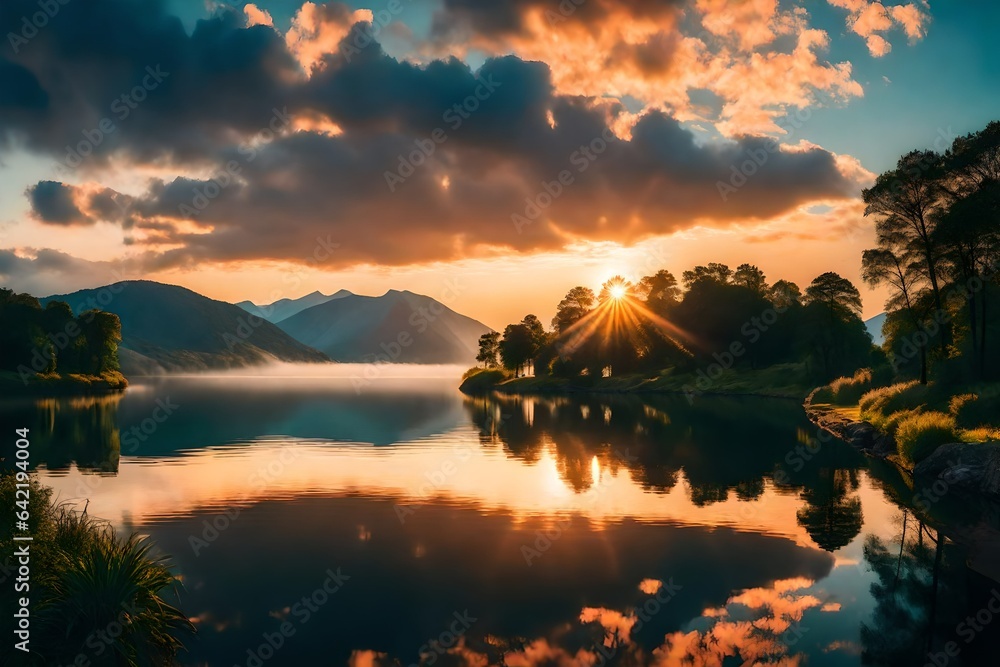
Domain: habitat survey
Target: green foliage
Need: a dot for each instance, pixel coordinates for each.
(918, 435)
(34, 340)
(979, 409)
(888, 399)
(86, 579)
(849, 390)
(478, 380)
(489, 348)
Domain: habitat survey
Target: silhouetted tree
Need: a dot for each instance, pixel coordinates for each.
(719, 273)
(907, 202)
(489, 348)
(751, 277)
(575, 305)
(516, 348)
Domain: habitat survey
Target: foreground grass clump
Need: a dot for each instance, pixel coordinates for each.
(880, 403)
(482, 379)
(918, 435)
(846, 390)
(93, 593)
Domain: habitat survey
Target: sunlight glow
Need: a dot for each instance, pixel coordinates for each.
(618, 292)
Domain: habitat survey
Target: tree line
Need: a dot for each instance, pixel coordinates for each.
(937, 224)
(714, 314)
(52, 340)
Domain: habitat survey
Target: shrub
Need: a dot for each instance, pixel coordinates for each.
(84, 576)
(823, 395)
(849, 390)
(890, 423)
(886, 400)
(920, 434)
(975, 410)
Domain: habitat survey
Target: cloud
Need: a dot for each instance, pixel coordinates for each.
(762, 60)
(43, 271)
(871, 20)
(317, 31)
(265, 143)
(54, 203)
(257, 16)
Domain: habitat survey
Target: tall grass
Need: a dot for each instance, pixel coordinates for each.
(89, 583)
(846, 390)
(918, 435)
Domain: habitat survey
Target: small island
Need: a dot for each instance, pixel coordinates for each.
(49, 351)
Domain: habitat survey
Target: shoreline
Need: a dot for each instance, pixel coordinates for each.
(57, 385)
(486, 382)
(964, 472)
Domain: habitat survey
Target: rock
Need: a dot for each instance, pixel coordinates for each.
(964, 467)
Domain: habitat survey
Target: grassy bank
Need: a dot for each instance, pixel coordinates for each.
(95, 598)
(779, 381)
(920, 418)
(59, 384)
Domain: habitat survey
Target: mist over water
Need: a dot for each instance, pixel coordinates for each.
(372, 370)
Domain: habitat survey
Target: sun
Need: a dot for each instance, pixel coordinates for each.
(617, 292)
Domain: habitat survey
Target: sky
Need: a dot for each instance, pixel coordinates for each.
(489, 154)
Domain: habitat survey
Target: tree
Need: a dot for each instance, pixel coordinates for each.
(838, 295)
(833, 326)
(883, 267)
(538, 335)
(784, 294)
(575, 305)
(516, 348)
(489, 348)
(716, 272)
(660, 291)
(970, 229)
(906, 202)
(751, 277)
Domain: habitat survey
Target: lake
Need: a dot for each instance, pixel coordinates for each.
(326, 521)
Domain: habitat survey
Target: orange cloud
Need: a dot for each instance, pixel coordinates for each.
(318, 29)
(257, 16)
(872, 19)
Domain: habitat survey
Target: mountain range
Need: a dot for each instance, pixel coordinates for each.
(166, 327)
(171, 328)
(398, 326)
(285, 308)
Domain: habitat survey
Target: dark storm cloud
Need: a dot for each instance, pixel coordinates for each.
(93, 61)
(276, 194)
(52, 202)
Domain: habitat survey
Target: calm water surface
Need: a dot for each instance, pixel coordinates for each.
(402, 523)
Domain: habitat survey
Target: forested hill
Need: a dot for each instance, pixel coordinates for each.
(52, 343)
